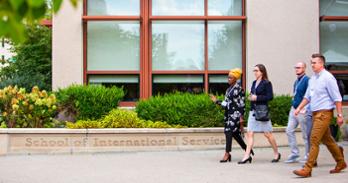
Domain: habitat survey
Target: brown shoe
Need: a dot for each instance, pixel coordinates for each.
(302, 173)
(339, 168)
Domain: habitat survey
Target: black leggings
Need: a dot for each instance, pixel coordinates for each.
(237, 136)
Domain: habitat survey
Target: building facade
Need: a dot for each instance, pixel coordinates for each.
(152, 47)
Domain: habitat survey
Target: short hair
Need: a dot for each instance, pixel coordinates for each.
(320, 56)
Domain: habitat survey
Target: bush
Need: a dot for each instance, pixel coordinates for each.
(26, 110)
(88, 102)
(181, 108)
(120, 119)
(198, 110)
(279, 110)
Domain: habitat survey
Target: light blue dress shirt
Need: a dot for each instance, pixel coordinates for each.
(322, 91)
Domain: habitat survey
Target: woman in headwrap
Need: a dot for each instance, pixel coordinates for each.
(234, 105)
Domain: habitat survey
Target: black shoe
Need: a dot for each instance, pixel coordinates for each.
(225, 160)
(276, 160)
(246, 160)
(252, 152)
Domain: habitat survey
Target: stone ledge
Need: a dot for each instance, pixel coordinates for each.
(55, 141)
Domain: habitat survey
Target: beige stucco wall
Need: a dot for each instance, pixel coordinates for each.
(279, 34)
(67, 46)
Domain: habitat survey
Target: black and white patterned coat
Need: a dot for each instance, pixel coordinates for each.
(234, 105)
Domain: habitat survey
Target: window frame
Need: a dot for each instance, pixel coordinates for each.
(145, 19)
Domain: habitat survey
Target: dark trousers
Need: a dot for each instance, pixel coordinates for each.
(237, 136)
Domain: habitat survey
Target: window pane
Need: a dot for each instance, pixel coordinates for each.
(342, 81)
(171, 83)
(177, 45)
(218, 84)
(225, 7)
(225, 45)
(129, 83)
(334, 7)
(177, 7)
(334, 42)
(113, 7)
(113, 45)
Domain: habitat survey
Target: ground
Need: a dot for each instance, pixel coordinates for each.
(164, 166)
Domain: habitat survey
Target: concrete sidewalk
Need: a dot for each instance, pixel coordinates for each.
(169, 167)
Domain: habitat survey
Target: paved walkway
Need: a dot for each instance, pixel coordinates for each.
(168, 167)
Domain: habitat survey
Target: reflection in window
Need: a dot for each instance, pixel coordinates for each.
(178, 7)
(334, 42)
(113, 45)
(342, 81)
(171, 83)
(225, 45)
(113, 7)
(334, 7)
(218, 84)
(129, 83)
(225, 7)
(177, 45)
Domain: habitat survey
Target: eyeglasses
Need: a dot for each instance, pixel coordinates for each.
(298, 67)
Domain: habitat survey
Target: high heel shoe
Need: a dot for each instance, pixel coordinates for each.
(276, 160)
(225, 160)
(246, 160)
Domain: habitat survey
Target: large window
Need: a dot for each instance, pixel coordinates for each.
(152, 47)
(334, 37)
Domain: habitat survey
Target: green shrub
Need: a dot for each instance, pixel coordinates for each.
(181, 109)
(279, 110)
(20, 109)
(89, 102)
(198, 110)
(120, 119)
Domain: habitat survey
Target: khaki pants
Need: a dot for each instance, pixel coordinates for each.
(321, 133)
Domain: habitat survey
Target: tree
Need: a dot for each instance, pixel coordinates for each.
(15, 14)
(32, 64)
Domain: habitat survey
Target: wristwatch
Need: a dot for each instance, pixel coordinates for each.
(339, 115)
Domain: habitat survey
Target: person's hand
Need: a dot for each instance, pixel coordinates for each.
(241, 125)
(297, 111)
(339, 120)
(213, 98)
(252, 97)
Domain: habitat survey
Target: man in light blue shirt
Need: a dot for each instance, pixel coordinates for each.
(323, 96)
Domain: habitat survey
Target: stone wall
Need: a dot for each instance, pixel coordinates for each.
(55, 141)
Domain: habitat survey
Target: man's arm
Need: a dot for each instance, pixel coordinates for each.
(339, 118)
(303, 103)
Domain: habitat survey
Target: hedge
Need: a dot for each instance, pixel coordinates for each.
(199, 111)
(118, 118)
(181, 108)
(88, 102)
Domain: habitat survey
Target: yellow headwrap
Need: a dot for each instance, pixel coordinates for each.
(236, 73)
